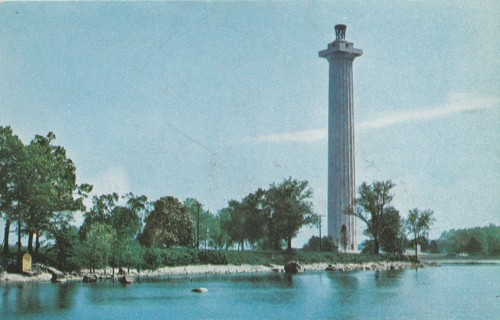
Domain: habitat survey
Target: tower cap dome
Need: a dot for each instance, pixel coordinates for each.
(340, 31)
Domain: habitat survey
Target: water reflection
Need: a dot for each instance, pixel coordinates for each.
(36, 298)
(347, 280)
(345, 287)
(65, 296)
(28, 299)
(456, 292)
(344, 279)
(263, 279)
(390, 278)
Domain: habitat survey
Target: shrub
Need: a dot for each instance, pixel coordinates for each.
(179, 257)
(212, 257)
(327, 244)
(153, 258)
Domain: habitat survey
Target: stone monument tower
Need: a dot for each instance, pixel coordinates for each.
(341, 183)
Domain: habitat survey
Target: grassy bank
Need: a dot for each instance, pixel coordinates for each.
(180, 257)
(304, 257)
(157, 258)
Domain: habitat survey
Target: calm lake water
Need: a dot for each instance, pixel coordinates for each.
(446, 292)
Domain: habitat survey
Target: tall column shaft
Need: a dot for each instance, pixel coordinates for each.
(341, 163)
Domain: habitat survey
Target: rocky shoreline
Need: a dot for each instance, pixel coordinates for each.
(211, 270)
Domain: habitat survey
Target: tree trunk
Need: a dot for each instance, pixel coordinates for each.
(416, 250)
(30, 242)
(37, 241)
(277, 246)
(242, 245)
(6, 236)
(375, 242)
(289, 247)
(19, 235)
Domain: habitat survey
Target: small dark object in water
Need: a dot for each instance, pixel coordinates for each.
(57, 278)
(200, 290)
(89, 278)
(126, 280)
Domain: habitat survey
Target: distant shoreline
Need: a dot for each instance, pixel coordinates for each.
(461, 261)
(441, 259)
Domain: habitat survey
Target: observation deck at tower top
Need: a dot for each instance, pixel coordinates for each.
(340, 47)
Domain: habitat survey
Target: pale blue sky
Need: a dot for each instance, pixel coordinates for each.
(212, 100)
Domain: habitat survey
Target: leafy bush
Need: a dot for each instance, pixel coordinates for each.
(153, 258)
(327, 244)
(212, 257)
(179, 257)
(259, 257)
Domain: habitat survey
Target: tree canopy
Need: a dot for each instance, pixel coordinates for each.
(418, 224)
(38, 186)
(372, 206)
(289, 207)
(392, 238)
(11, 153)
(168, 225)
(268, 217)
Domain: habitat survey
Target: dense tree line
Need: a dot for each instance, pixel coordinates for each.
(265, 219)
(133, 234)
(474, 241)
(39, 196)
(268, 219)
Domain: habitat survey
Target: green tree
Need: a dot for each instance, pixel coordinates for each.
(418, 224)
(392, 238)
(66, 249)
(97, 246)
(209, 227)
(368, 246)
(372, 204)
(255, 216)
(219, 235)
(11, 153)
(288, 208)
(474, 246)
(46, 189)
(203, 218)
(168, 225)
(127, 222)
(101, 211)
(131, 254)
(454, 241)
(234, 224)
(434, 246)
